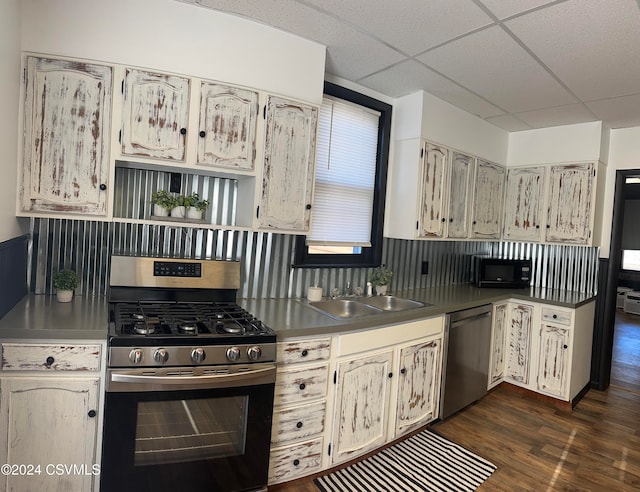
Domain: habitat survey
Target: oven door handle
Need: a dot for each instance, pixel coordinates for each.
(128, 381)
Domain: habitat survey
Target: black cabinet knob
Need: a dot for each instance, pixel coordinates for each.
(296, 462)
(302, 386)
(299, 425)
(548, 226)
(450, 220)
(403, 371)
(202, 133)
(92, 413)
(183, 131)
(304, 353)
(565, 346)
(308, 206)
(443, 219)
(390, 375)
(474, 222)
(537, 227)
(103, 186)
(50, 360)
(555, 316)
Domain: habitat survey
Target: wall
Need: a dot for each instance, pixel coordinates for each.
(9, 102)
(176, 37)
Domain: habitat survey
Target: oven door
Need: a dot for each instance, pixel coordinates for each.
(188, 429)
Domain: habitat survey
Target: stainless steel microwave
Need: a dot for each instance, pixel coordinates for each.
(501, 272)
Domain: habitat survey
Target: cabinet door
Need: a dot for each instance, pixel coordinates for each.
(66, 137)
(46, 421)
(487, 201)
(155, 115)
(569, 209)
(227, 131)
(498, 343)
(362, 402)
(431, 217)
(288, 172)
(418, 386)
(460, 190)
(523, 203)
(519, 349)
(553, 362)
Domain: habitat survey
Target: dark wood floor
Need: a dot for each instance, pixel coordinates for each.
(538, 447)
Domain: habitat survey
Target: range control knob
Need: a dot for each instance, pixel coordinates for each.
(254, 353)
(198, 355)
(135, 356)
(161, 356)
(233, 354)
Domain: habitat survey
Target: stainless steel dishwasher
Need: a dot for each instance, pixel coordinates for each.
(466, 363)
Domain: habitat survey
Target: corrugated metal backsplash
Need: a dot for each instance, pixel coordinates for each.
(86, 247)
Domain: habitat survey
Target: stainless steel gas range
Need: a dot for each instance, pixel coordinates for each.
(190, 380)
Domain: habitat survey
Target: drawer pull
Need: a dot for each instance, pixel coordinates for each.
(50, 360)
(92, 413)
(403, 371)
(299, 425)
(555, 316)
(302, 386)
(296, 462)
(305, 352)
(565, 346)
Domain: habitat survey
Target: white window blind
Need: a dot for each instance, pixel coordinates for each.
(345, 174)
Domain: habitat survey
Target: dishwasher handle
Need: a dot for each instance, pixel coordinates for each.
(464, 321)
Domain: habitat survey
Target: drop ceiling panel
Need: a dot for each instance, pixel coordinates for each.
(509, 123)
(411, 76)
(591, 45)
(412, 26)
(618, 112)
(491, 64)
(560, 115)
(506, 8)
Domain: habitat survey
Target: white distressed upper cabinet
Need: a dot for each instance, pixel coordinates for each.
(569, 209)
(486, 221)
(46, 421)
(418, 385)
(227, 128)
(499, 328)
(155, 115)
(518, 357)
(523, 203)
(431, 220)
(459, 196)
(286, 190)
(67, 117)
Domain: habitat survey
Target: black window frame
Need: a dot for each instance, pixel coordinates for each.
(370, 256)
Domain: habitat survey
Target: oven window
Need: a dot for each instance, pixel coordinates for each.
(186, 430)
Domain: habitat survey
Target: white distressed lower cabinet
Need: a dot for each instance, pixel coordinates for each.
(50, 401)
(299, 409)
(547, 348)
(387, 382)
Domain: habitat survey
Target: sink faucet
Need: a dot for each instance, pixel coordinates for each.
(347, 289)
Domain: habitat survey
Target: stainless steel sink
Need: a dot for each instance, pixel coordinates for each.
(345, 308)
(392, 303)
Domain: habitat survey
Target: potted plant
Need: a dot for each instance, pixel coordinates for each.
(65, 281)
(195, 206)
(380, 277)
(162, 203)
(178, 207)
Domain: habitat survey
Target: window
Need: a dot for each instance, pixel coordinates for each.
(631, 259)
(351, 169)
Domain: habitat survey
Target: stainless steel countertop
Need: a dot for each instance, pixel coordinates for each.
(41, 317)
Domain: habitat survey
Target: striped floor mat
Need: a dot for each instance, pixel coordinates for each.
(424, 462)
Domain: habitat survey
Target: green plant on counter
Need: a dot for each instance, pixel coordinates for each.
(65, 280)
(163, 198)
(380, 276)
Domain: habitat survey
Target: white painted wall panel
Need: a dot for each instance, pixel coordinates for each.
(9, 100)
(176, 37)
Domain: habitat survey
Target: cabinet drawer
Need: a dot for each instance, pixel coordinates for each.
(298, 423)
(295, 386)
(50, 357)
(304, 351)
(558, 316)
(295, 461)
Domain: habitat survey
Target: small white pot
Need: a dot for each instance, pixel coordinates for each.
(64, 295)
(381, 290)
(178, 212)
(194, 213)
(160, 211)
